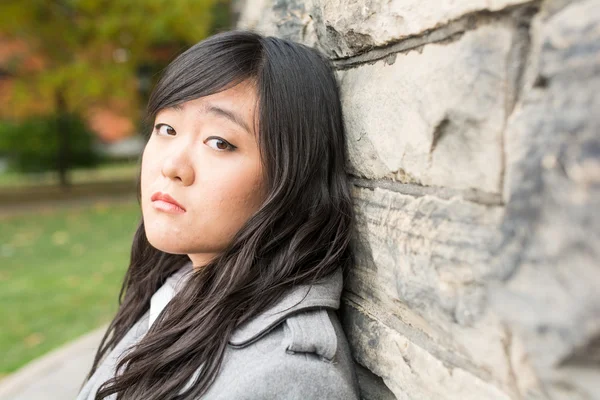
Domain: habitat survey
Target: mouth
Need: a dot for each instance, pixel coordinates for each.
(164, 202)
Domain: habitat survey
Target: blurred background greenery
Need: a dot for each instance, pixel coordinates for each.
(75, 76)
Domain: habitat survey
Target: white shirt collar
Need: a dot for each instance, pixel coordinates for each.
(167, 291)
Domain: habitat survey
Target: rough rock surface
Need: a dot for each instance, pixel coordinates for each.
(549, 255)
(433, 117)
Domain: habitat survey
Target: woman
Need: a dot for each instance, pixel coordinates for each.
(236, 268)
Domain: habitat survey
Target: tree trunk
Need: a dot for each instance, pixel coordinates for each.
(63, 132)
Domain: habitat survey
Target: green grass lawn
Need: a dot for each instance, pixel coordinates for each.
(104, 172)
(60, 274)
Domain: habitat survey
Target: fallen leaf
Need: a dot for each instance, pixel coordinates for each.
(34, 339)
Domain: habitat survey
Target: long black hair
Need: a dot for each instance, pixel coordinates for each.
(299, 235)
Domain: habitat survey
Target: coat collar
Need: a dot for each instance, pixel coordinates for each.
(323, 294)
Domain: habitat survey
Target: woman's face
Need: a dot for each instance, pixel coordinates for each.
(204, 154)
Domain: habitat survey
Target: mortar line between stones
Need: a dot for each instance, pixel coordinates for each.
(449, 32)
(472, 195)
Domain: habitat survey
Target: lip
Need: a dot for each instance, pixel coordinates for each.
(164, 202)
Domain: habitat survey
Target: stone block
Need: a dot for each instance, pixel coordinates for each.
(409, 371)
(290, 19)
(347, 27)
(549, 251)
(421, 271)
(434, 117)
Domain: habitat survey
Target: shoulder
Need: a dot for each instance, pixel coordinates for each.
(306, 357)
(296, 349)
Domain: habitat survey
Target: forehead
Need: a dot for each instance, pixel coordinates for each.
(242, 95)
(238, 104)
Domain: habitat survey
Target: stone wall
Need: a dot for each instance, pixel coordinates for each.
(474, 140)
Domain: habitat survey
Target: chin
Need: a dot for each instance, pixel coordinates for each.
(169, 249)
(166, 245)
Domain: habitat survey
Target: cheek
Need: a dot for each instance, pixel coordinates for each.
(237, 195)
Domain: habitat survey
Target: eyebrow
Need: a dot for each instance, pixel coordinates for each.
(221, 112)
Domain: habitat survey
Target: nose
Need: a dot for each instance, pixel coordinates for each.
(176, 166)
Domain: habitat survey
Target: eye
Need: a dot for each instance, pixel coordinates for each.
(220, 144)
(164, 129)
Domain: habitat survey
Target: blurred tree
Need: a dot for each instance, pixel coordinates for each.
(31, 145)
(89, 52)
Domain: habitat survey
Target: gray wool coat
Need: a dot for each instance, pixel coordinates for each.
(294, 350)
